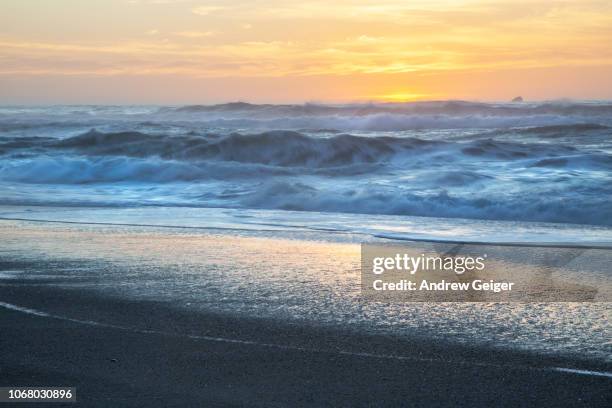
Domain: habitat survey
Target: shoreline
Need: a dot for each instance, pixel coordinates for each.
(86, 308)
(383, 227)
(205, 273)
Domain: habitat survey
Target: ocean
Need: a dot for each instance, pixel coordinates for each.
(544, 162)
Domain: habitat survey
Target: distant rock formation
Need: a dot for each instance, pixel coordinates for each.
(518, 99)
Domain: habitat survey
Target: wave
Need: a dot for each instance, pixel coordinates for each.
(380, 122)
(80, 170)
(397, 116)
(290, 148)
(442, 107)
(555, 166)
(542, 203)
(496, 149)
(593, 161)
(135, 156)
(278, 148)
(456, 108)
(346, 118)
(388, 121)
(550, 205)
(564, 129)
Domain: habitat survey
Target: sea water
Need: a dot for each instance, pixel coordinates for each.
(540, 162)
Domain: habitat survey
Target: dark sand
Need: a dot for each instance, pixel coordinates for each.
(114, 367)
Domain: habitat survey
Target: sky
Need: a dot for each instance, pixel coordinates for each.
(263, 51)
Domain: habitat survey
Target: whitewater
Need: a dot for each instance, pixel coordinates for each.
(534, 163)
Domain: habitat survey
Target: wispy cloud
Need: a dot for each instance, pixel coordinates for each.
(194, 34)
(428, 37)
(206, 10)
(272, 58)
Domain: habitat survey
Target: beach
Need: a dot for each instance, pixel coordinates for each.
(255, 362)
(154, 316)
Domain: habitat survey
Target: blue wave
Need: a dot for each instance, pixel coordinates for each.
(559, 169)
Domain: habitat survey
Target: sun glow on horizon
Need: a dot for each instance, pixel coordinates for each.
(403, 97)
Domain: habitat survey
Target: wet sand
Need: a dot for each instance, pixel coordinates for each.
(144, 357)
(71, 315)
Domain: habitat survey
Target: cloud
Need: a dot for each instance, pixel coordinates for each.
(206, 10)
(194, 34)
(370, 39)
(429, 38)
(274, 58)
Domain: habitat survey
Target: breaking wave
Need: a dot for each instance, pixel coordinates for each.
(295, 149)
(552, 206)
(528, 162)
(456, 108)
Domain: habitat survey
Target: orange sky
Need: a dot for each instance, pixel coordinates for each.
(183, 51)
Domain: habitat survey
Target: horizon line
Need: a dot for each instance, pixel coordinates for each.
(319, 103)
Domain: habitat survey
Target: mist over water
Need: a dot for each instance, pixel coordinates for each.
(545, 162)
